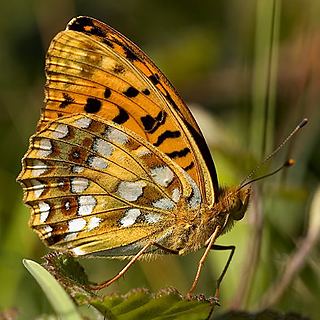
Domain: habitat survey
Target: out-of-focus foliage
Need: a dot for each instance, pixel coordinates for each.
(216, 54)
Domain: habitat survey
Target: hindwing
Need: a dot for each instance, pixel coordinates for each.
(95, 187)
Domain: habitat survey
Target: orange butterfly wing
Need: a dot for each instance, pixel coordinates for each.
(96, 188)
(92, 68)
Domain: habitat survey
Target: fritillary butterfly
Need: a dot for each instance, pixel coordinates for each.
(118, 166)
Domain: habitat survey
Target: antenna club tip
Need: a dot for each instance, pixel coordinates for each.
(289, 163)
(303, 122)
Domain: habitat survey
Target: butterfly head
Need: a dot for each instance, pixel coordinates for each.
(232, 205)
(239, 203)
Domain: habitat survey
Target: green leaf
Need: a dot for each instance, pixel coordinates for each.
(167, 304)
(70, 274)
(59, 299)
(137, 304)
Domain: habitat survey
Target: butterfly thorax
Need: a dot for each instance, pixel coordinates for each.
(192, 234)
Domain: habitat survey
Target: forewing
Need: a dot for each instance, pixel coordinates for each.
(92, 68)
(97, 188)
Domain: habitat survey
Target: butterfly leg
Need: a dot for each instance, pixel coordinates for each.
(210, 242)
(123, 271)
(130, 263)
(219, 280)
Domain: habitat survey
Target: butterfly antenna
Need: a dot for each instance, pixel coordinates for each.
(288, 163)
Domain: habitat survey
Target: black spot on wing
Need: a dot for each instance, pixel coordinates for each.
(67, 100)
(166, 135)
(93, 105)
(131, 92)
(178, 154)
(130, 55)
(122, 117)
(108, 43)
(161, 116)
(151, 124)
(154, 78)
(107, 93)
(188, 167)
(146, 92)
(169, 98)
(148, 122)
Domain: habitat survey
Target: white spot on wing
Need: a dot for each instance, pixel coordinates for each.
(142, 151)
(176, 194)
(79, 185)
(47, 231)
(67, 205)
(38, 168)
(76, 225)
(131, 191)
(152, 217)
(86, 205)
(78, 252)
(60, 131)
(116, 136)
(103, 147)
(77, 169)
(83, 122)
(130, 217)
(44, 209)
(45, 147)
(37, 188)
(97, 162)
(61, 184)
(71, 236)
(162, 175)
(164, 203)
(93, 223)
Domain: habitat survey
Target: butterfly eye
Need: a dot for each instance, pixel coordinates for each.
(239, 210)
(240, 205)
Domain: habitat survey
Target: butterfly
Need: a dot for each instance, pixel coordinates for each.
(118, 166)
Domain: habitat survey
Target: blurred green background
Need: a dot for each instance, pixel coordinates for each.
(217, 54)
